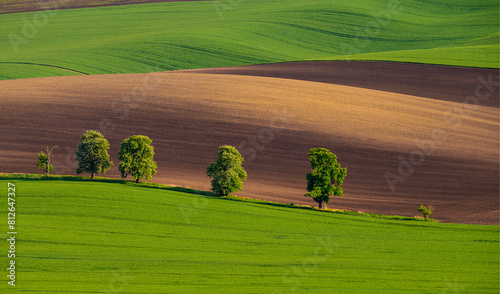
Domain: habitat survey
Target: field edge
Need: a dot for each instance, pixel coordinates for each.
(35, 177)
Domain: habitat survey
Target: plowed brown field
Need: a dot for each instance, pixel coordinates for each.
(437, 150)
(448, 83)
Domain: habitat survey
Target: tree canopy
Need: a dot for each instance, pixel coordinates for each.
(136, 158)
(227, 173)
(92, 154)
(326, 176)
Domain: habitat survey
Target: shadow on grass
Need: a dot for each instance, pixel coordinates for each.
(35, 177)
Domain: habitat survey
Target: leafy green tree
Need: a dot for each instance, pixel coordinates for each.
(92, 154)
(136, 158)
(426, 211)
(227, 173)
(44, 161)
(326, 176)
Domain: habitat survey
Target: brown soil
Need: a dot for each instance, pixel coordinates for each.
(14, 6)
(188, 115)
(440, 82)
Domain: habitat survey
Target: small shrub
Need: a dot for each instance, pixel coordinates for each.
(425, 211)
(44, 160)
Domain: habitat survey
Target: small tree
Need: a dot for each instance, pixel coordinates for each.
(426, 211)
(326, 176)
(227, 173)
(136, 158)
(44, 160)
(92, 154)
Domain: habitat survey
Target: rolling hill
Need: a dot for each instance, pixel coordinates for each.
(405, 93)
(186, 35)
(274, 122)
(102, 237)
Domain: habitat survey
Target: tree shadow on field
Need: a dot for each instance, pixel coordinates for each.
(132, 183)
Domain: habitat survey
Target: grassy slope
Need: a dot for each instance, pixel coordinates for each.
(481, 50)
(14, 6)
(168, 36)
(23, 71)
(91, 237)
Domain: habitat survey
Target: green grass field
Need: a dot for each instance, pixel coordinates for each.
(105, 237)
(186, 35)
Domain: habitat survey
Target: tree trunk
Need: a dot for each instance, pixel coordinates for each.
(136, 181)
(322, 204)
(91, 175)
(47, 168)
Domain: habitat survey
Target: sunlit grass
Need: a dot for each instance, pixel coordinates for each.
(95, 236)
(185, 35)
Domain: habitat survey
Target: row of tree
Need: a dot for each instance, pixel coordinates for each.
(135, 155)
(226, 173)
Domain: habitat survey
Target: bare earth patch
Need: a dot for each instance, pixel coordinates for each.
(273, 122)
(448, 83)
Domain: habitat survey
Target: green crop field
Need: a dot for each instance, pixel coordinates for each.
(186, 35)
(107, 237)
